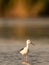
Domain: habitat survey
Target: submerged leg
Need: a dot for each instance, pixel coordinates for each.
(27, 57)
(22, 58)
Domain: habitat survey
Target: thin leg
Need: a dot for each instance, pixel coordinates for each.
(22, 58)
(27, 57)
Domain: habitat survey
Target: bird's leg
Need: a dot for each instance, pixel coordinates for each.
(22, 58)
(27, 57)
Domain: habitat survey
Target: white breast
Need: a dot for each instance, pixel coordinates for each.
(24, 51)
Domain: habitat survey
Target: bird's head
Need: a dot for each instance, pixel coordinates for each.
(29, 42)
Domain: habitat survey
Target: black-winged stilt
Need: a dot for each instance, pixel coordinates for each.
(25, 50)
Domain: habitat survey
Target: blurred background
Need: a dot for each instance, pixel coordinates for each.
(35, 28)
(24, 8)
(24, 18)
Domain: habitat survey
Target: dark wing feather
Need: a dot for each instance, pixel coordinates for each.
(21, 49)
(18, 51)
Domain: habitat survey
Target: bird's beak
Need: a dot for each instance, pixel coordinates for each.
(33, 44)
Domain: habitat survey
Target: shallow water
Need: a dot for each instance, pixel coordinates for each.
(38, 55)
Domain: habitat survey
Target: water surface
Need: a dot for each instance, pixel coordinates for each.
(38, 55)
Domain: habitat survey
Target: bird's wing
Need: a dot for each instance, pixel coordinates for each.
(21, 49)
(18, 51)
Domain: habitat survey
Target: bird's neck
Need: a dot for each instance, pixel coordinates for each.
(27, 46)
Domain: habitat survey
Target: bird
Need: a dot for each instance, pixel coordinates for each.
(25, 50)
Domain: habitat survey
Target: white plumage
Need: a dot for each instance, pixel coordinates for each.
(24, 51)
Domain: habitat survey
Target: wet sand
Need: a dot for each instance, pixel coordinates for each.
(38, 55)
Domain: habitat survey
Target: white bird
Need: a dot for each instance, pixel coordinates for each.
(25, 50)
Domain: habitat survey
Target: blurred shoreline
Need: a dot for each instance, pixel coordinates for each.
(29, 28)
